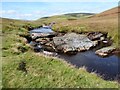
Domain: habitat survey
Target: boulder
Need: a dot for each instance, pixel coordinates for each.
(117, 51)
(69, 49)
(42, 33)
(49, 46)
(42, 41)
(105, 51)
(97, 35)
(72, 42)
(50, 53)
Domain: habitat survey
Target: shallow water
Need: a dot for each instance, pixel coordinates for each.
(41, 30)
(105, 67)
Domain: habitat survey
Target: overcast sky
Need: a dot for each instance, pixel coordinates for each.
(36, 10)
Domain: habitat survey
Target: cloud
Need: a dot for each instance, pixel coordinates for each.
(25, 15)
(38, 12)
(8, 12)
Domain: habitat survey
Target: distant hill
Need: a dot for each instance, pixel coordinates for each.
(109, 13)
(8, 21)
(79, 14)
(73, 15)
(68, 16)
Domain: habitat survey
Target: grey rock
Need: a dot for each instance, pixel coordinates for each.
(97, 35)
(49, 46)
(50, 53)
(42, 41)
(105, 51)
(41, 35)
(72, 42)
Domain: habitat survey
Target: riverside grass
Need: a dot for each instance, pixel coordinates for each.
(46, 72)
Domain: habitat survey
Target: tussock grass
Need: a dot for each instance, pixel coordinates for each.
(44, 71)
(48, 72)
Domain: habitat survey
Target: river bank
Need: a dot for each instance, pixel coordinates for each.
(82, 50)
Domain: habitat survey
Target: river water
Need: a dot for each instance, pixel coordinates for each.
(42, 30)
(107, 68)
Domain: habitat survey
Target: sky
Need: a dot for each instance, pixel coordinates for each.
(36, 10)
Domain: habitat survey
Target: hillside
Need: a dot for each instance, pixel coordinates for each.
(50, 72)
(64, 17)
(110, 13)
(70, 15)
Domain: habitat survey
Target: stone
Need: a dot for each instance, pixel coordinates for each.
(49, 46)
(42, 41)
(72, 42)
(102, 38)
(97, 35)
(42, 33)
(50, 53)
(105, 51)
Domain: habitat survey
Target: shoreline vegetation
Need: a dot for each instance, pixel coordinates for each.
(49, 72)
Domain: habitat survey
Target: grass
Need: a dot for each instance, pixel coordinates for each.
(43, 71)
(48, 72)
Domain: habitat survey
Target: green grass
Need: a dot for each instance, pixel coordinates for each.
(43, 71)
(48, 72)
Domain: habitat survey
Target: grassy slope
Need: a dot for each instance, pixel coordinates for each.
(42, 71)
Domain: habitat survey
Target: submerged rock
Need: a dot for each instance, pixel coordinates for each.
(105, 51)
(72, 42)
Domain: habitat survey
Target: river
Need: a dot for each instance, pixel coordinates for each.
(107, 67)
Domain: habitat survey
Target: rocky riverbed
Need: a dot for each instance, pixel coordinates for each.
(71, 43)
(81, 49)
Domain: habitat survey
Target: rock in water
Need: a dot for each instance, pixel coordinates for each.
(42, 41)
(97, 35)
(105, 51)
(72, 42)
(50, 53)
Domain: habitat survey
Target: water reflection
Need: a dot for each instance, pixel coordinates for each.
(107, 67)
